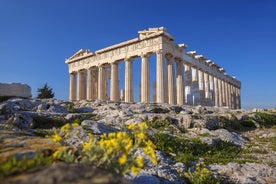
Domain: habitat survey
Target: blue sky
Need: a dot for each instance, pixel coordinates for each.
(36, 36)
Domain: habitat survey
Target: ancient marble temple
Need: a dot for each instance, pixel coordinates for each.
(181, 77)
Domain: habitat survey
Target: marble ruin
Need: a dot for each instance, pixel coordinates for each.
(181, 77)
(15, 90)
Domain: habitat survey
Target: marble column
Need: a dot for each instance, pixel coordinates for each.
(226, 94)
(220, 93)
(160, 91)
(195, 90)
(216, 92)
(73, 87)
(188, 83)
(229, 95)
(95, 83)
(179, 83)
(212, 94)
(223, 93)
(201, 87)
(207, 86)
(239, 98)
(145, 79)
(81, 85)
(89, 83)
(128, 80)
(114, 84)
(171, 92)
(101, 84)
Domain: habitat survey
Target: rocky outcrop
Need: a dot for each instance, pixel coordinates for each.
(15, 90)
(24, 119)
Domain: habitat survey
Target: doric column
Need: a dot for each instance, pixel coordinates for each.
(223, 93)
(145, 79)
(171, 99)
(195, 90)
(73, 87)
(95, 83)
(226, 94)
(89, 83)
(128, 80)
(229, 95)
(179, 83)
(220, 93)
(201, 87)
(207, 86)
(188, 83)
(239, 98)
(233, 97)
(212, 94)
(216, 92)
(81, 85)
(114, 84)
(160, 96)
(101, 80)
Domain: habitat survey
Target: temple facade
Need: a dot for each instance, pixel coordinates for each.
(182, 78)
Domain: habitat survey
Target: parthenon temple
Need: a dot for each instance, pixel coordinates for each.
(182, 78)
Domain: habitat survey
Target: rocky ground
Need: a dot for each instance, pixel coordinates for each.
(237, 146)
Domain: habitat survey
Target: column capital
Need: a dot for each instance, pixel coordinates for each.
(160, 51)
(169, 56)
(129, 59)
(177, 59)
(145, 55)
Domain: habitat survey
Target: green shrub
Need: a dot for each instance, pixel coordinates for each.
(12, 165)
(41, 122)
(188, 150)
(266, 119)
(248, 123)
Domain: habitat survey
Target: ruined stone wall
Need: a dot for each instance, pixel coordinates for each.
(15, 89)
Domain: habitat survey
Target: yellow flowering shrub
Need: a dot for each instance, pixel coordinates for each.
(113, 151)
(201, 174)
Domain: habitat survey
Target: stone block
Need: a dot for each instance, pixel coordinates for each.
(15, 90)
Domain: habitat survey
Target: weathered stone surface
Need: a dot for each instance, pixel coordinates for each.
(31, 114)
(68, 173)
(97, 127)
(246, 173)
(15, 89)
(233, 137)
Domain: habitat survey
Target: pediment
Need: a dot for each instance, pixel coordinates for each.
(80, 53)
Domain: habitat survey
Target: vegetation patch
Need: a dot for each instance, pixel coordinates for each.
(13, 166)
(189, 150)
(113, 151)
(266, 119)
(199, 174)
(41, 122)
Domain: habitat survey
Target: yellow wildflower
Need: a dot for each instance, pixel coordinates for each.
(135, 170)
(129, 145)
(123, 159)
(87, 146)
(141, 135)
(57, 154)
(65, 127)
(205, 170)
(75, 125)
(131, 126)
(140, 161)
(143, 126)
(56, 138)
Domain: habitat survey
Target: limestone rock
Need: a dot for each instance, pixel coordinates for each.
(15, 90)
(233, 137)
(246, 173)
(97, 127)
(70, 174)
